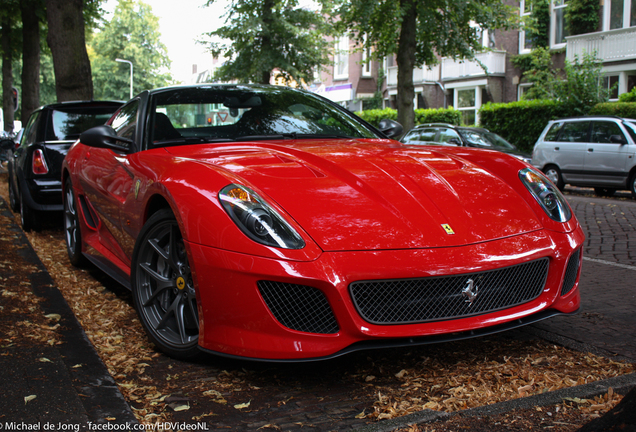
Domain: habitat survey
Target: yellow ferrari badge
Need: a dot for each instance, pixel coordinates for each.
(448, 229)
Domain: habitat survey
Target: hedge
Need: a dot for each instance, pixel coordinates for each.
(521, 122)
(619, 109)
(422, 116)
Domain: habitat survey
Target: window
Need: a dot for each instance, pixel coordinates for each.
(341, 67)
(30, 131)
(421, 136)
(522, 89)
(525, 40)
(602, 131)
(558, 29)
(575, 132)
(619, 14)
(449, 137)
(125, 123)
(466, 102)
(366, 60)
(610, 82)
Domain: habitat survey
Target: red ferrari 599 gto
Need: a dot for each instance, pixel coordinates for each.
(269, 223)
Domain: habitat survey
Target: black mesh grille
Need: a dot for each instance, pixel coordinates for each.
(570, 273)
(438, 298)
(299, 307)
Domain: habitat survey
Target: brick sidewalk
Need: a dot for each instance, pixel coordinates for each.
(607, 319)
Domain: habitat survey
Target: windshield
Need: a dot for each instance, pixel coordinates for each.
(631, 128)
(71, 122)
(485, 139)
(229, 113)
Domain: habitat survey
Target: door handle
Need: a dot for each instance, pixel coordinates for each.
(557, 148)
(590, 150)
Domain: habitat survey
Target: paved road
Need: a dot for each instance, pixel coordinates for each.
(607, 319)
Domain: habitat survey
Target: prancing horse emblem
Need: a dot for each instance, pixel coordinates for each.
(470, 291)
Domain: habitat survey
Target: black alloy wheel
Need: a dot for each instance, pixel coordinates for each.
(72, 232)
(632, 185)
(163, 288)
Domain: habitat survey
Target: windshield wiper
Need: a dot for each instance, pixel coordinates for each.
(290, 135)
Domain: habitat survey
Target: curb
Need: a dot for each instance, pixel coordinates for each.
(97, 390)
(621, 384)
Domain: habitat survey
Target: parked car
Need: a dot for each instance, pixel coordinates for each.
(450, 135)
(35, 165)
(270, 223)
(598, 152)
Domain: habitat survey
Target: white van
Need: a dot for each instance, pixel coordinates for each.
(598, 152)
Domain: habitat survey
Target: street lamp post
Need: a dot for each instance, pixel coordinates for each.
(131, 74)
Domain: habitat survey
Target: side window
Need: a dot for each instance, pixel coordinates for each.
(30, 131)
(125, 123)
(553, 132)
(575, 132)
(603, 130)
(446, 135)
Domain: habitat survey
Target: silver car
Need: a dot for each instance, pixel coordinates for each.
(598, 152)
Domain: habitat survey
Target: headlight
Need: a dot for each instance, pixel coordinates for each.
(257, 219)
(546, 194)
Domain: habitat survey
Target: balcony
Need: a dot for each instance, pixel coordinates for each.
(493, 61)
(420, 75)
(609, 45)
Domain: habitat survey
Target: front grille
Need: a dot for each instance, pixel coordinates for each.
(404, 301)
(570, 273)
(299, 307)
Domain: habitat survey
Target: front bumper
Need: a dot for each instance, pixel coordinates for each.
(235, 319)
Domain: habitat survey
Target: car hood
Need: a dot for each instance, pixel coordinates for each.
(361, 195)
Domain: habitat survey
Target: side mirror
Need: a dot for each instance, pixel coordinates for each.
(455, 141)
(105, 137)
(617, 139)
(390, 128)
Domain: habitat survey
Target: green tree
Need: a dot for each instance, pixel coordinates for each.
(578, 87)
(132, 34)
(269, 35)
(419, 32)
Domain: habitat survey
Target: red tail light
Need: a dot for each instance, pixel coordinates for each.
(39, 163)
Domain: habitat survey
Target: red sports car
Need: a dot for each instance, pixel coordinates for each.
(269, 223)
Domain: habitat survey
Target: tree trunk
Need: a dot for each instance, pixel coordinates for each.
(30, 59)
(7, 75)
(266, 40)
(66, 39)
(406, 65)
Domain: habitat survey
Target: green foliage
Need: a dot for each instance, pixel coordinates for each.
(619, 109)
(628, 97)
(521, 122)
(422, 116)
(582, 16)
(132, 34)
(268, 35)
(583, 86)
(538, 70)
(579, 89)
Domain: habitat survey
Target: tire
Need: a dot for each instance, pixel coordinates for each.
(29, 217)
(604, 192)
(72, 230)
(554, 174)
(163, 289)
(632, 185)
(14, 202)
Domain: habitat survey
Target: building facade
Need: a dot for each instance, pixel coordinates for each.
(492, 77)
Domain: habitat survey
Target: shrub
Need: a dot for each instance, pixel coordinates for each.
(442, 115)
(521, 122)
(619, 109)
(628, 97)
